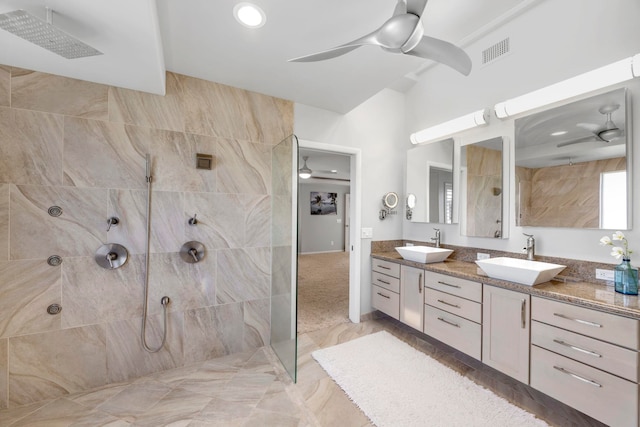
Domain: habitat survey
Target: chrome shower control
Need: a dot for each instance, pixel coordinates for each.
(111, 256)
(54, 309)
(192, 252)
(54, 211)
(54, 260)
(114, 220)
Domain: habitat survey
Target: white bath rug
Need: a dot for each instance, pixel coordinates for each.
(396, 385)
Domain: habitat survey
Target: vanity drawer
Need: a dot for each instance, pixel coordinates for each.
(454, 285)
(453, 330)
(386, 267)
(599, 354)
(387, 282)
(386, 301)
(603, 326)
(462, 307)
(603, 396)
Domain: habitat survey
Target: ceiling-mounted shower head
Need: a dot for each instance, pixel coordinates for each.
(44, 34)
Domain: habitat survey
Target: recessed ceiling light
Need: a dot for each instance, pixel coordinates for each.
(249, 15)
(560, 132)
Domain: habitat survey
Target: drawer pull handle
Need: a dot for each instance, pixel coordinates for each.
(448, 323)
(573, 347)
(382, 281)
(523, 313)
(578, 377)
(448, 284)
(420, 283)
(584, 322)
(385, 267)
(384, 296)
(449, 304)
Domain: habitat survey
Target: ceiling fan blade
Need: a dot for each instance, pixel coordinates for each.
(401, 8)
(416, 7)
(369, 39)
(578, 141)
(442, 52)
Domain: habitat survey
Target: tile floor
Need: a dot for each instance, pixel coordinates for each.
(251, 389)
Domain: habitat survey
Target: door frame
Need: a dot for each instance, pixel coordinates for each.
(355, 213)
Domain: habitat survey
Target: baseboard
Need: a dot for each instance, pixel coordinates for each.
(320, 252)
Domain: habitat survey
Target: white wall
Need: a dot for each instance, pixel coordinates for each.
(320, 233)
(552, 41)
(377, 128)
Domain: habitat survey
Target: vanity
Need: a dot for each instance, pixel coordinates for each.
(577, 342)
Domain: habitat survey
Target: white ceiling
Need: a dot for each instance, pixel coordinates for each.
(201, 38)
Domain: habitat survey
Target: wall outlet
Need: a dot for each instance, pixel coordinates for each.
(602, 274)
(408, 244)
(482, 255)
(332, 243)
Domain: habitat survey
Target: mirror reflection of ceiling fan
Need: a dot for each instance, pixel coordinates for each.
(403, 33)
(602, 133)
(305, 172)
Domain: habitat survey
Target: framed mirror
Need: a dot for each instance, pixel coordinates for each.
(482, 189)
(430, 177)
(572, 165)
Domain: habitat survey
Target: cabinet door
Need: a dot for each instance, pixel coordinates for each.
(505, 331)
(412, 297)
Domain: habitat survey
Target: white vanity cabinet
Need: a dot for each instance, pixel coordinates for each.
(385, 287)
(505, 331)
(453, 312)
(586, 359)
(412, 296)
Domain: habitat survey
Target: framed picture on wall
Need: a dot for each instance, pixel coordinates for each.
(323, 203)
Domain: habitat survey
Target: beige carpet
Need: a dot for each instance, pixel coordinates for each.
(323, 290)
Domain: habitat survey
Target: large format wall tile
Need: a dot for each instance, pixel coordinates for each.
(273, 117)
(79, 231)
(148, 110)
(101, 154)
(32, 90)
(30, 147)
(4, 373)
(4, 222)
(5, 86)
(27, 288)
(243, 167)
(257, 323)
(92, 294)
(243, 274)
(126, 358)
(257, 228)
(220, 223)
(213, 332)
(48, 365)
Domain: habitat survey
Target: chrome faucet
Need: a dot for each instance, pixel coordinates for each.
(437, 238)
(530, 249)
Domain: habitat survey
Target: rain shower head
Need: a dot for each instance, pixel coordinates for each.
(44, 34)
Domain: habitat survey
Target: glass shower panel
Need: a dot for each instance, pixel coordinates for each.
(284, 275)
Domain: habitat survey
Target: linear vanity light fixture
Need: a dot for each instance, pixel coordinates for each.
(437, 132)
(608, 75)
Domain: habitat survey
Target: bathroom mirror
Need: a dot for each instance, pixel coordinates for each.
(572, 165)
(430, 179)
(390, 200)
(481, 188)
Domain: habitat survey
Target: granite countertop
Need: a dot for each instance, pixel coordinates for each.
(586, 294)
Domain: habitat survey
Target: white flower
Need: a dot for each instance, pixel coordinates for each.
(617, 252)
(618, 235)
(605, 241)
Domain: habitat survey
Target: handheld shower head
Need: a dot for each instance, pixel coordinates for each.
(26, 26)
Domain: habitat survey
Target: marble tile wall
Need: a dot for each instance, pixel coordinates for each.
(484, 184)
(81, 146)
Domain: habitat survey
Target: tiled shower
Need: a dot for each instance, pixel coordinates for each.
(80, 146)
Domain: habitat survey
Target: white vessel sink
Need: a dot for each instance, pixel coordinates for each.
(424, 254)
(520, 271)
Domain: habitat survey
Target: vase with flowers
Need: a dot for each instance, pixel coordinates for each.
(625, 276)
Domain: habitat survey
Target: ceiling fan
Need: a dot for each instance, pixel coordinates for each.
(403, 33)
(606, 133)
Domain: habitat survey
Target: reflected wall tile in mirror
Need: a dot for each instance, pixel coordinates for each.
(243, 167)
(126, 358)
(27, 288)
(257, 229)
(146, 109)
(213, 332)
(5, 86)
(33, 90)
(243, 274)
(78, 231)
(4, 373)
(92, 294)
(49, 365)
(217, 214)
(257, 323)
(31, 149)
(4, 222)
(101, 154)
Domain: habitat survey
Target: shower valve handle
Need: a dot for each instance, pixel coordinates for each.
(194, 253)
(111, 256)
